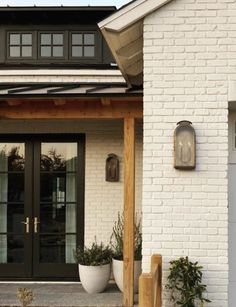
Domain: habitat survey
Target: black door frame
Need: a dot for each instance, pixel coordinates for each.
(32, 269)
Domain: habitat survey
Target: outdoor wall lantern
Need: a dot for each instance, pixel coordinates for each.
(112, 168)
(184, 146)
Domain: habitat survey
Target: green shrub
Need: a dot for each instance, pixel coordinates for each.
(117, 238)
(185, 283)
(97, 254)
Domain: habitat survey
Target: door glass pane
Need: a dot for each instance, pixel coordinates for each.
(53, 187)
(52, 248)
(70, 218)
(15, 187)
(70, 187)
(58, 196)
(3, 187)
(15, 215)
(70, 247)
(3, 248)
(52, 217)
(59, 156)
(12, 157)
(12, 164)
(15, 249)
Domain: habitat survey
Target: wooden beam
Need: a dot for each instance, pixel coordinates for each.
(13, 103)
(59, 102)
(129, 210)
(106, 101)
(71, 110)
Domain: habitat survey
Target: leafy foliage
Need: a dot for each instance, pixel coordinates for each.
(97, 254)
(117, 238)
(185, 283)
(53, 161)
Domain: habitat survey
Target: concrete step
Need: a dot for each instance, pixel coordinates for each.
(60, 295)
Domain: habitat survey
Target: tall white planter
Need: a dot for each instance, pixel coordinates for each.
(94, 279)
(117, 267)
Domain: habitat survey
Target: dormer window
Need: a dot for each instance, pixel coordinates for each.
(82, 45)
(20, 45)
(52, 45)
(56, 45)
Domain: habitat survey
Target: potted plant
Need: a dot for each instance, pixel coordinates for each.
(185, 283)
(116, 241)
(94, 266)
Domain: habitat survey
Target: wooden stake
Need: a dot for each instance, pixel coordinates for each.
(146, 290)
(156, 267)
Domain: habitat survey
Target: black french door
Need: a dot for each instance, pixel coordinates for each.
(41, 206)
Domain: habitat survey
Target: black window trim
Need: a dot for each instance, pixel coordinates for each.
(65, 44)
(96, 43)
(36, 59)
(8, 45)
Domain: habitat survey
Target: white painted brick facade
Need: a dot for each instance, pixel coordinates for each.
(189, 60)
(103, 200)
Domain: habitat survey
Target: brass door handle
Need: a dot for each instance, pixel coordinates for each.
(26, 223)
(36, 225)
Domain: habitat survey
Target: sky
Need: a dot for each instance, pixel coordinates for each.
(116, 3)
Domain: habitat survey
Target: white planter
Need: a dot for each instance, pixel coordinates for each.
(117, 267)
(94, 279)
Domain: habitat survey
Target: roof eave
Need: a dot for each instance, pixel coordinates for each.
(123, 32)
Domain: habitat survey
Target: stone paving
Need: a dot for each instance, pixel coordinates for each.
(60, 294)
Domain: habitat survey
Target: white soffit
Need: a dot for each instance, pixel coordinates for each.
(123, 32)
(62, 75)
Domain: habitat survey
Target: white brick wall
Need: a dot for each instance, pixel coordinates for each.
(104, 199)
(189, 59)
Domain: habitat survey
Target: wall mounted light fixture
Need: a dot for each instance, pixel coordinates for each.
(184, 146)
(112, 168)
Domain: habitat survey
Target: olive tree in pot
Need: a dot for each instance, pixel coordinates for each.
(185, 283)
(94, 266)
(116, 241)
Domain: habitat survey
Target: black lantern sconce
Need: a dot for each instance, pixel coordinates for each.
(184, 146)
(112, 168)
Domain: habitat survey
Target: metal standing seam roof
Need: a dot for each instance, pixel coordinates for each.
(66, 90)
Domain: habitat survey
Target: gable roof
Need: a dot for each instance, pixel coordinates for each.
(123, 32)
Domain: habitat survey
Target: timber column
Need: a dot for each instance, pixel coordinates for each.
(129, 210)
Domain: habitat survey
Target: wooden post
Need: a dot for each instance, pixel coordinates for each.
(146, 290)
(129, 210)
(156, 265)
